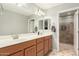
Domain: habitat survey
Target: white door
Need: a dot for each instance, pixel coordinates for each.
(76, 31)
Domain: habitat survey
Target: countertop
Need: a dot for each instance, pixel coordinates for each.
(22, 38)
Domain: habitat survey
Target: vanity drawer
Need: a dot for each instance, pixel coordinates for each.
(29, 43)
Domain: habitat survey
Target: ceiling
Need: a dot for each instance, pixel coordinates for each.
(47, 5)
(28, 8)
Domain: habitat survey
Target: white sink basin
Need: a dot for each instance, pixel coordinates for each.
(27, 36)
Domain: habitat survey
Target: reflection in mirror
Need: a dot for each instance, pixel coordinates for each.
(53, 29)
(46, 25)
(36, 29)
(31, 26)
(41, 24)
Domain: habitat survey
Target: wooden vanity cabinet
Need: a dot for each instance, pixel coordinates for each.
(44, 45)
(47, 44)
(37, 47)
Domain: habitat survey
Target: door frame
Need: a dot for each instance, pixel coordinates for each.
(75, 31)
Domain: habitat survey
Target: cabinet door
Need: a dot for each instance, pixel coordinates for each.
(39, 47)
(46, 47)
(50, 44)
(20, 53)
(30, 51)
(40, 44)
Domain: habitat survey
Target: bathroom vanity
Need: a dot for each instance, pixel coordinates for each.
(34, 46)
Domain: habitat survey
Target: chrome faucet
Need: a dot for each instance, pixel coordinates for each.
(39, 33)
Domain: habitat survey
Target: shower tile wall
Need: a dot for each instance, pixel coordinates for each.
(67, 30)
(66, 33)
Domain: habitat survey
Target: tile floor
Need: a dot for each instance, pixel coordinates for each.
(65, 50)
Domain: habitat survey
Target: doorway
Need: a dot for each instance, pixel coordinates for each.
(66, 33)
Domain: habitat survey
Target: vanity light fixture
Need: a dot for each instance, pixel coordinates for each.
(39, 12)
